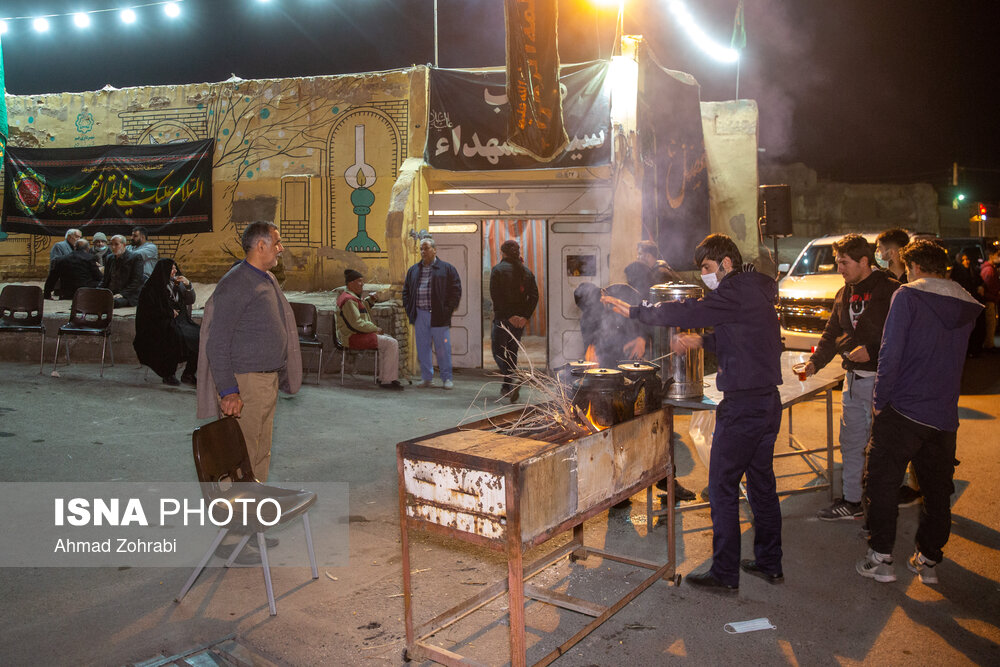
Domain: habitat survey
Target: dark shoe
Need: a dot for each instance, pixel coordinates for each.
(680, 493)
(515, 395)
(189, 379)
(908, 496)
(841, 509)
(708, 581)
(391, 385)
(751, 567)
(172, 381)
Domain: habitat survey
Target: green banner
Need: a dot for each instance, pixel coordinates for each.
(166, 188)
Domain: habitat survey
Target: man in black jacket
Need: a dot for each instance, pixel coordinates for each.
(122, 273)
(431, 293)
(72, 271)
(854, 331)
(515, 294)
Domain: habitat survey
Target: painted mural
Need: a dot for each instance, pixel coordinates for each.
(318, 156)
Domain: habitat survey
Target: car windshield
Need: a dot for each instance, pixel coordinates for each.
(815, 260)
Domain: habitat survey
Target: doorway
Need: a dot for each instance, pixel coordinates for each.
(530, 235)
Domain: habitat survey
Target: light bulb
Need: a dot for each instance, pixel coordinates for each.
(40, 25)
(172, 10)
(81, 20)
(128, 16)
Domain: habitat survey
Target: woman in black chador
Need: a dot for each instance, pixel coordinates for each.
(165, 334)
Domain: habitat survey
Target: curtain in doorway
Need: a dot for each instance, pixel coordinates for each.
(530, 234)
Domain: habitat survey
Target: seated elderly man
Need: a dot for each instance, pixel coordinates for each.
(123, 273)
(356, 330)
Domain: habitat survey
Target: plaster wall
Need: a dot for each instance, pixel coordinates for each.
(289, 150)
(730, 130)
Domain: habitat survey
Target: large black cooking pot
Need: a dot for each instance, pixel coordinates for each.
(571, 373)
(648, 388)
(606, 395)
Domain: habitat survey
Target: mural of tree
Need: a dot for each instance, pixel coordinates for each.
(257, 121)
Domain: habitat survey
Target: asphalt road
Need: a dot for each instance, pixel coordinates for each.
(81, 428)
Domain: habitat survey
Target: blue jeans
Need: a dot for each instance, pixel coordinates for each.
(441, 339)
(746, 426)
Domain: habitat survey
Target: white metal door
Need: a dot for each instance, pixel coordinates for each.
(579, 252)
(461, 245)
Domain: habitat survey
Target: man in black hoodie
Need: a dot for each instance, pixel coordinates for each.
(747, 342)
(515, 294)
(854, 331)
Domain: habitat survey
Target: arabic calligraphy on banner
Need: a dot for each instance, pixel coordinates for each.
(536, 120)
(166, 188)
(468, 116)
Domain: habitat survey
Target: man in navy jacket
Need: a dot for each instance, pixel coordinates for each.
(431, 293)
(916, 410)
(747, 343)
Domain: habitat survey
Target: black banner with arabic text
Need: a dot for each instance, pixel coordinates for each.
(536, 121)
(468, 120)
(675, 207)
(165, 188)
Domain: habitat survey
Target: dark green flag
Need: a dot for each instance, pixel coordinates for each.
(3, 108)
(739, 41)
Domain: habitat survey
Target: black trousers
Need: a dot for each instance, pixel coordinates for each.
(746, 426)
(504, 341)
(895, 442)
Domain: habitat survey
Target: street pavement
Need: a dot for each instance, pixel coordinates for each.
(79, 427)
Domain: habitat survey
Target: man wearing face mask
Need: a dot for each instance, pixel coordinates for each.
(854, 332)
(747, 342)
(887, 247)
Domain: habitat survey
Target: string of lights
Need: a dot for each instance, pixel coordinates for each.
(82, 19)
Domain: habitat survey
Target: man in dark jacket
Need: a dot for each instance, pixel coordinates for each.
(515, 294)
(854, 331)
(916, 410)
(122, 273)
(72, 271)
(747, 343)
(431, 293)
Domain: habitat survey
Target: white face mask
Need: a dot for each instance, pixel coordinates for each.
(884, 263)
(711, 280)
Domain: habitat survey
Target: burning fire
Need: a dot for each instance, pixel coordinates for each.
(590, 354)
(590, 418)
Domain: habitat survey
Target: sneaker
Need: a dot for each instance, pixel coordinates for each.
(923, 566)
(908, 496)
(448, 384)
(425, 384)
(841, 509)
(877, 566)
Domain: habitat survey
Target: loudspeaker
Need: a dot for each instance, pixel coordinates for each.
(774, 208)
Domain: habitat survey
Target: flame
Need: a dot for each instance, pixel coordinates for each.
(361, 178)
(590, 354)
(590, 418)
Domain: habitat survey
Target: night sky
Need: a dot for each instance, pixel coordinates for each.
(860, 90)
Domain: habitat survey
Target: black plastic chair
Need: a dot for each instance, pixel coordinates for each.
(21, 310)
(90, 315)
(225, 472)
(305, 321)
(345, 350)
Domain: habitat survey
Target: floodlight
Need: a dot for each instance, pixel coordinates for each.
(128, 16)
(81, 20)
(172, 10)
(40, 25)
